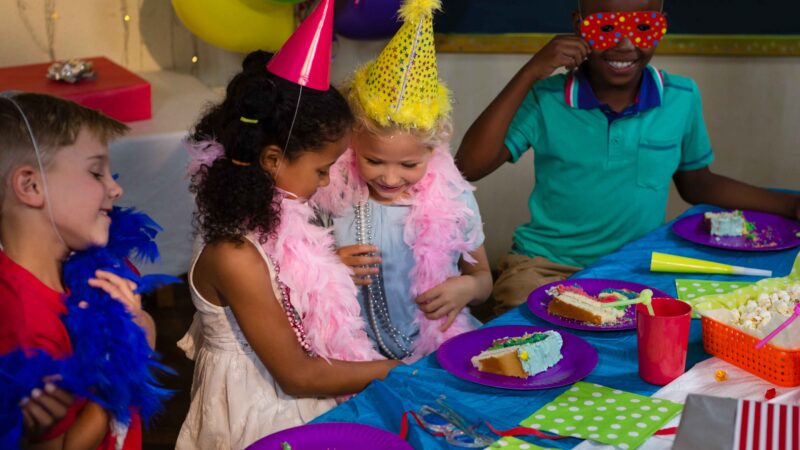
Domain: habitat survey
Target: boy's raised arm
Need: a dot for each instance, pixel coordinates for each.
(483, 149)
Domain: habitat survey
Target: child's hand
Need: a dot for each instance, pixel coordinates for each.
(123, 291)
(562, 51)
(119, 289)
(361, 258)
(447, 299)
(44, 408)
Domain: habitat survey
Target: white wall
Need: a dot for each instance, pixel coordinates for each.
(752, 105)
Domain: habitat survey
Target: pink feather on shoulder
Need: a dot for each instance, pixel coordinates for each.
(320, 285)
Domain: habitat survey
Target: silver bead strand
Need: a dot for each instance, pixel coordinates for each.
(377, 307)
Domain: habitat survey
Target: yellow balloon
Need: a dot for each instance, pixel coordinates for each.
(238, 25)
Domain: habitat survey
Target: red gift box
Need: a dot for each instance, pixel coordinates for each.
(115, 90)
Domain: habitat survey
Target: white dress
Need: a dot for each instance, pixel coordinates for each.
(235, 400)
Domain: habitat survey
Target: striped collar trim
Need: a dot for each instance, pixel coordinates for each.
(578, 92)
(658, 78)
(571, 90)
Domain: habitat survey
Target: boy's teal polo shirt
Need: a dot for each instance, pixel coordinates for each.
(602, 178)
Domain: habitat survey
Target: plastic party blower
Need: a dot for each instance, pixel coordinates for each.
(663, 262)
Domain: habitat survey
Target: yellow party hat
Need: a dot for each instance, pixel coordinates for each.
(402, 85)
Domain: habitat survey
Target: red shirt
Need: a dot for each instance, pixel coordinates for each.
(30, 319)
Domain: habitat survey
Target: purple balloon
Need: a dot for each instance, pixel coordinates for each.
(366, 19)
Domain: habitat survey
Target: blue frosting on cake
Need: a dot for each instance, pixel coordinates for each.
(539, 356)
(726, 223)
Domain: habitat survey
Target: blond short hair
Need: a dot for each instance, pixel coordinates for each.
(55, 124)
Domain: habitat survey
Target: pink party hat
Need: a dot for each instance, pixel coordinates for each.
(305, 57)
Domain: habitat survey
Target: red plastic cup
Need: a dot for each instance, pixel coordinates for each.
(662, 339)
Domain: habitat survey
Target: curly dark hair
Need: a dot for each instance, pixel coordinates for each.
(235, 199)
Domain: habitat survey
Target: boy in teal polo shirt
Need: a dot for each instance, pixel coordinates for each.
(607, 137)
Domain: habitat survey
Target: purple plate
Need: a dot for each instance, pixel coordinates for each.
(455, 356)
(775, 233)
(332, 436)
(538, 300)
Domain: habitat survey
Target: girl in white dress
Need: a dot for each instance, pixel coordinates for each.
(278, 333)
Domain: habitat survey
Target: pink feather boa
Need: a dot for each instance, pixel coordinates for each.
(434, 230)
(319, 283)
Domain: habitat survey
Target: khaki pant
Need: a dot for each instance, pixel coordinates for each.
(521, 275)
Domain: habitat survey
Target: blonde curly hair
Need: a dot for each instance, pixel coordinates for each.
(441, 133)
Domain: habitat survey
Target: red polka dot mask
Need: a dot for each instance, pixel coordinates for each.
(604, 30)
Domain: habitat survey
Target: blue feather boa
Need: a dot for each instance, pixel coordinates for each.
(111, 364)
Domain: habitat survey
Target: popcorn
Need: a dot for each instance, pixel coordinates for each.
(754, 319)
(784, 308)
(757, 312)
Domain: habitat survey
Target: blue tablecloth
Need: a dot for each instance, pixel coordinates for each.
(408, 388)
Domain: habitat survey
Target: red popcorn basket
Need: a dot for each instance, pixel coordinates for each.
(777, 365)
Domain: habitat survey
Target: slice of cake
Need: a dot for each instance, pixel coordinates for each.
(574, 303)
(521, 356)
(728, 223)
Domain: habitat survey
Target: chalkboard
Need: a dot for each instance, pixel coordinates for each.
(731, 27)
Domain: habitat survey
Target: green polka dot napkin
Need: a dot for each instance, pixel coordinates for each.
(689, 290)
(512, 443)
(610, 416)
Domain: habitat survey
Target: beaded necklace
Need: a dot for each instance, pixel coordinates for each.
(377, 307)
(291, 312)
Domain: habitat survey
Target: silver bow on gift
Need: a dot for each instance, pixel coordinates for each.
(71, 71)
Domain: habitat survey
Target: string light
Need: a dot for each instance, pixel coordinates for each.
(50, 27)
(194, 68)
(50, 18)
(126, 31)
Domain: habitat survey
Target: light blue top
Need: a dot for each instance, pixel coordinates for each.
(398, 260)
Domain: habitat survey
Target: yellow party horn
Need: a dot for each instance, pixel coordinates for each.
(663, 262)
(646, 297)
